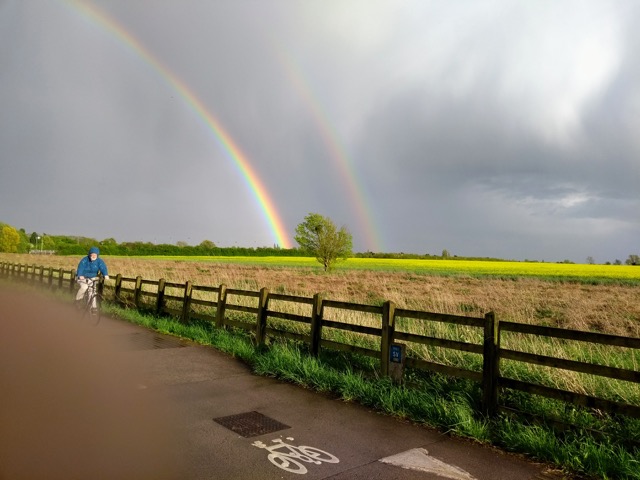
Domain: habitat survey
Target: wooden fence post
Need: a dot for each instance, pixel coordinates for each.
(261, 320)
(491, 365)
(388, 329)
(60, 276)
(138, 292)
(118, 290)
(186, 302)
(316, 324)
(33, 273)
(72, 280)
(160, 302)
(222, 304)
(50, 276)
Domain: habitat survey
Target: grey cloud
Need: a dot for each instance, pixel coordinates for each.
(476, 128)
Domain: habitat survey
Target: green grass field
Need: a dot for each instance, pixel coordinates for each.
(560, 271)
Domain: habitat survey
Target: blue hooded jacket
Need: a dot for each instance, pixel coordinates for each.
(87, 268)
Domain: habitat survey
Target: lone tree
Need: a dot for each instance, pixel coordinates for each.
(318, 236)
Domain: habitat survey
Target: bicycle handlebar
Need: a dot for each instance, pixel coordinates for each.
(91, 279)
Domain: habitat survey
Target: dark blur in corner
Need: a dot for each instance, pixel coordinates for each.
(71, 404)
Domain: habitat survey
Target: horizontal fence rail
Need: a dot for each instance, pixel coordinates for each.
(327, 324)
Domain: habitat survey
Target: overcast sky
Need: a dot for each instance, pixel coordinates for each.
(497, 128)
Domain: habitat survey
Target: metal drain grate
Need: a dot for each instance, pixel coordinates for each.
(145, 341)
(250, 424)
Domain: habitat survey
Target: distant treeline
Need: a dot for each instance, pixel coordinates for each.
(426, 256)
(76, 245)
(134, 249)
(80, 246)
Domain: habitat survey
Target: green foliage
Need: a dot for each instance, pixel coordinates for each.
(319, 236)
(24, 245)
(9, 239)
(67, 245)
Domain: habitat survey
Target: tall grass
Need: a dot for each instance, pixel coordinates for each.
(588, 305)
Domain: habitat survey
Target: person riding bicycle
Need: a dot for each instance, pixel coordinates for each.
(88, 268)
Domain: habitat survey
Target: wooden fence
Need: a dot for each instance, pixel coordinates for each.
(269, 318)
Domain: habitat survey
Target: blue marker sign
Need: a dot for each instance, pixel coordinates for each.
(395, 354)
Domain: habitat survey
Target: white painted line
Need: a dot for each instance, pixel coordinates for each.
(419, 459)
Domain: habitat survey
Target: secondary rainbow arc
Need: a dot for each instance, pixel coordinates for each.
(331, 140)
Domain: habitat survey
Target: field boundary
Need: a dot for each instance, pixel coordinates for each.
(263, 314)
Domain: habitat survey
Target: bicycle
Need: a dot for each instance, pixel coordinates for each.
(91, 297)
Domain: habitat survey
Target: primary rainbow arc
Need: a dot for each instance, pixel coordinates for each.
(228, 145)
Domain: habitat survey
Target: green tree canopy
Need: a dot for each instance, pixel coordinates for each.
(9, 239)
(319, 236)
(207, 244)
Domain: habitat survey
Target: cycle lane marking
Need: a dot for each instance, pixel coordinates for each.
(290, 459)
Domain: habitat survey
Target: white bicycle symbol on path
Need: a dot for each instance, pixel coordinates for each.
(290, 459)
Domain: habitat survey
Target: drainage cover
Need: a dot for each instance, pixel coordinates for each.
(250, 424)
(146, 341)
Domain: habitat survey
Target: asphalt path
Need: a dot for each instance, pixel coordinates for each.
(117, 401)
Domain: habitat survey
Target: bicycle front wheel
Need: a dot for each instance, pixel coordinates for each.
(97, 312)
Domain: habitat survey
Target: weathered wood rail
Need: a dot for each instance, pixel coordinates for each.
(181, 300)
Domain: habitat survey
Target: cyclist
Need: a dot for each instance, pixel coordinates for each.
(88, 268)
